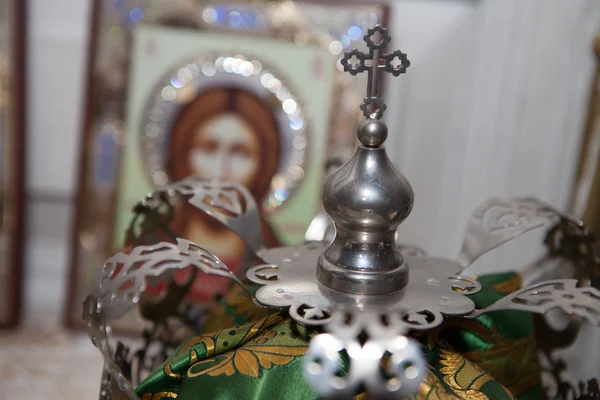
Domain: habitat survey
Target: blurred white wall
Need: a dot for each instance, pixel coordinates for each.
(57, 42)
(493, 104)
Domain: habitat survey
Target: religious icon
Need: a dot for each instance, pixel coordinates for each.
(228, 116)
(226, 134)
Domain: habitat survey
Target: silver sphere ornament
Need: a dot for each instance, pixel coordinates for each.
(372, 132)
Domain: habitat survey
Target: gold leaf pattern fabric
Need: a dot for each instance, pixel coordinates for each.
(491, 357)
(235, 309)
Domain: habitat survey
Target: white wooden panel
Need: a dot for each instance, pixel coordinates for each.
(430, 98)
(492, 104)
(57, 42)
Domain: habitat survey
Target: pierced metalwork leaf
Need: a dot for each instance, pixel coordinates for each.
(204, 192)
(118, 285)
(124, 277)
(499, 220)
(545, 296)
(99, 333)
(229, 203)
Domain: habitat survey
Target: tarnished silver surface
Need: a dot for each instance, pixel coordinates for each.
(367, 197)
(119, 284)
(493, 223)
(321, 229)
(290, 282)
(499, 220)
(434, 289)
(229, 203)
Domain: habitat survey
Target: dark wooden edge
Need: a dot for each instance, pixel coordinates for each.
(71, 318)
(591, 215)
(17, 170)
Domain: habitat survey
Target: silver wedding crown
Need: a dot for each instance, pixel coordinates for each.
(362, 289)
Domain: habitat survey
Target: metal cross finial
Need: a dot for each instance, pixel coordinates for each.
(377, 39)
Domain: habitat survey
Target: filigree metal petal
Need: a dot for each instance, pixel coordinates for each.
(119, 284)
(499, 220)
(123, 278)
(549, 295)
(99, 333)
(228, 202)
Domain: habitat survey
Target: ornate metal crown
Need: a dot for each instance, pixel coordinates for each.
(363, 289)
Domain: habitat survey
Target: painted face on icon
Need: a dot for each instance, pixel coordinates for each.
(226, 148)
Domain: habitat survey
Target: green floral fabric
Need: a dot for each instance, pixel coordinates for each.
(249, 353)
